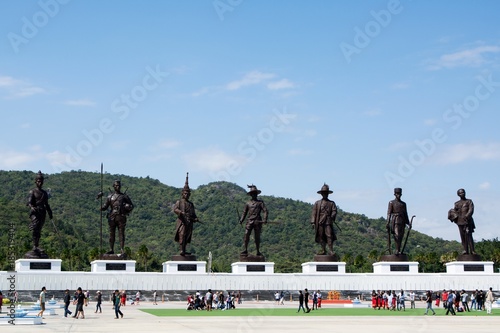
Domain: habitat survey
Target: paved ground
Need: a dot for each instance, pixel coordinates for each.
(137, 321)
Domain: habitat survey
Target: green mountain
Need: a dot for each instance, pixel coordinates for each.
(150, 227)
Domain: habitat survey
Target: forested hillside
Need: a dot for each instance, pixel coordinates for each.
(150, 227)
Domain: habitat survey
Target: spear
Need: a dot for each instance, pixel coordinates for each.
(100, 249)
(99, 196)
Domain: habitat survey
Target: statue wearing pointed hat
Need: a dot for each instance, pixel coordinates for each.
(323, 217)
(255, 213)
(186, 217)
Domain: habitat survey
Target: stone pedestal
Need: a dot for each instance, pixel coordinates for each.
(323, 267)
(99, 266)
(395, 267)
(469, 267)
(185, 267)
(255, 267)
(38, 265)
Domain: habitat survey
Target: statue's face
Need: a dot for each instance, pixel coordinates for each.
(398, 195)
(461, 193)
(117, 186)
(186, 194)
(39, 182)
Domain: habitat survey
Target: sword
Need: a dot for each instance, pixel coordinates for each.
(408, 233)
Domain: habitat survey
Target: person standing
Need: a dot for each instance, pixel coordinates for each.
(38, 202)
(137, 297)
(209, 299)
(461, 214)
(98, 302)
(428, 300)
(489, 299)
(1, 301)
(412, 299)
(186, 217)
(464, 297)
(42, 302)
(67, 299)
(253, 210)
(301, 302)
(117, 305)
(306, 300)
(323, 216)
(155, 295)
(120, 207)
(397, 219)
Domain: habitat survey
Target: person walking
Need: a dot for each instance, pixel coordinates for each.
(42, 302)
(428, 300)
(67, 299)
(98, 302)
(450, 303)
(79, 301)
(117, 305)
(306, 300)
(301, 302)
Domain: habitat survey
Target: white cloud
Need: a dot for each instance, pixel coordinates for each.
(484, 186)
(80, 102)
(18, 88)
(373, 112)
(252, 78)
(213, 160)
(281, 84)
(466, 58)
(10, 159)
(463, 152)
(430, 122)
(168, 144)
(400, 86)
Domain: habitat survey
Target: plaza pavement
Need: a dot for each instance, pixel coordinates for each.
(138, 321)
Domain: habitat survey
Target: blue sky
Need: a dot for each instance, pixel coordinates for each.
(362, 95)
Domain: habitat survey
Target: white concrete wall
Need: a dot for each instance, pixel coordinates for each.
(229, 281)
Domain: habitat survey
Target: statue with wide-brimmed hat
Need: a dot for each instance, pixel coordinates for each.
(255, 213)
(323, 217)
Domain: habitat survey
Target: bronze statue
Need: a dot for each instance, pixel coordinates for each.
(323, 216)
(397, 219)
(186, 217)
(461, 214)
(120, 206)
(38, 201)
(253, 210)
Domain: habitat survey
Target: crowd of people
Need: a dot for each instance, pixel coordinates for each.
(460, 301)
(452, 301)
(390, 300)
(213, 301)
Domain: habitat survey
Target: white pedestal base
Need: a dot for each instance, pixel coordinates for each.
(38, 265)
(469, 267)
(99, 266)
(185, 267)
(252, 267)
(395, 267)
(320, 267)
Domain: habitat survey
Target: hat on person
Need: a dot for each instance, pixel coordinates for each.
(253, 189)
(325, 189)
